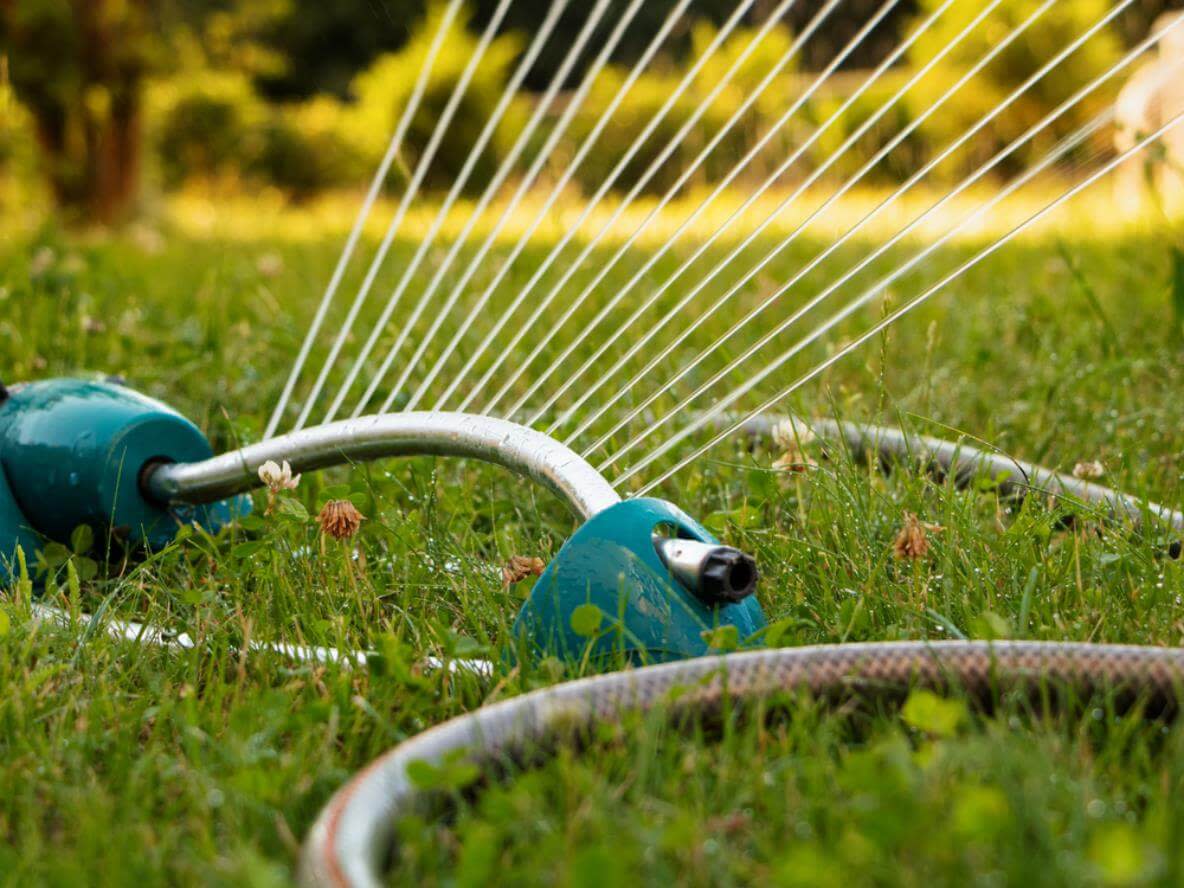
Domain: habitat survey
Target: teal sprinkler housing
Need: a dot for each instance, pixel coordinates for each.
(73, 452)
(661, 582)
(76, 452)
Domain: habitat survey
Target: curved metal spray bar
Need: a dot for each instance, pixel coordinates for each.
(524, 451)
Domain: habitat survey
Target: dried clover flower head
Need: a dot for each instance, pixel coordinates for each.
(278, 477)
(519, 567)
(913, 540)
(340, 519)
(793, 460)
(1089, 471)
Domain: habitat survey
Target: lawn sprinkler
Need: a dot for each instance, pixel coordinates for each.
(97, 453)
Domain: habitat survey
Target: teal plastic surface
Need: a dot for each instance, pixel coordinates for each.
(612, 564)
(14, 531)
(71, 452)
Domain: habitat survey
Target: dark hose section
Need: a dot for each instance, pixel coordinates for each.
(967, 463)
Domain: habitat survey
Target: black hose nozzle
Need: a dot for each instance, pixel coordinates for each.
(715, 574)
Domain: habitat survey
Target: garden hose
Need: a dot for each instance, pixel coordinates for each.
(967, 464)
(353, 838)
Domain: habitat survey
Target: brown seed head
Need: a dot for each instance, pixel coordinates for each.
(339, 519)
(913, 540)
(519, 567)
(793, 460)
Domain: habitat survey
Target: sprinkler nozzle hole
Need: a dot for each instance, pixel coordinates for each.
(729, 575)
(742, 576)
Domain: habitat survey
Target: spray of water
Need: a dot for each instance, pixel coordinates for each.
(539, 339)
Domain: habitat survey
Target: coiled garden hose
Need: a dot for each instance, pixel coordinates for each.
(353, 839)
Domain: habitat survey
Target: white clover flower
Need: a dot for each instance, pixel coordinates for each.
(43, 260)
(1089, 471)
(278, 477)
(789, 435)
(270, 265)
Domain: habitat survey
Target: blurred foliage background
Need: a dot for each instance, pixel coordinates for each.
(104, 103)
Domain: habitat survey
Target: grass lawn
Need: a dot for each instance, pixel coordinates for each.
(122, 764)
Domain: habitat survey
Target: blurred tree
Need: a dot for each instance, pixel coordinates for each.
(841, 27)
(1019, 60)
(317, 46)
(325, 44)
(382, 90)
(651, 92)
(78, 66)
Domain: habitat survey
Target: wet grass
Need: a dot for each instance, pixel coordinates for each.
(125, 764)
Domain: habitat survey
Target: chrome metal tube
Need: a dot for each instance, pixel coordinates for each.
(522, 450)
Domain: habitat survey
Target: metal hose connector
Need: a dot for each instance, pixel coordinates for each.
(522, 450)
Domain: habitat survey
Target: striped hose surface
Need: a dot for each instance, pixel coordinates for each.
(352, 840)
